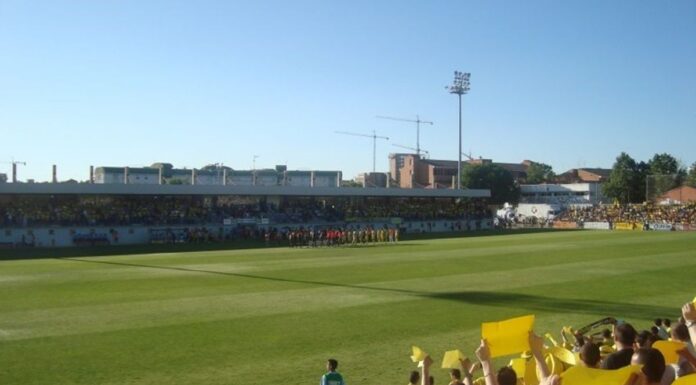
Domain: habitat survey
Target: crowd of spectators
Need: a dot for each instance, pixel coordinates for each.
(636, 213)
(602, 354)
(124, 210)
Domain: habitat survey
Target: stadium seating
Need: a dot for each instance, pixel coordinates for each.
(637, 213)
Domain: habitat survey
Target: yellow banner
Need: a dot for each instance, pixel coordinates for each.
(628, 226)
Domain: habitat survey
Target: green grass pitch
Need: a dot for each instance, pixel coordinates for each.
(263, 316)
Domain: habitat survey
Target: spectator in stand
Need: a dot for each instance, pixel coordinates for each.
(455, 377)
(661, 331)
(624, 337)
(589, 355)
(414, 378)
(645, 339)
(607, 346)
(683, 367)
(653, 365)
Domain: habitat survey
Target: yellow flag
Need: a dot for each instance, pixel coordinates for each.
(669, 350)
(508, 337)
(530, 373)
(686, 380)
(451, 359)
(519, 365)
(580, 375)
(417, 354)
(565, 355)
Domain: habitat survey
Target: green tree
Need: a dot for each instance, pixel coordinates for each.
(539, 173)
(493, 177)
(664, 175)
(663, 164)
(691, 178)
(625, 179)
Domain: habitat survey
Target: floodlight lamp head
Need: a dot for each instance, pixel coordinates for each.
(460, 85)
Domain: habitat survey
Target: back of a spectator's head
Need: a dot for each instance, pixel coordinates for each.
(655, 331)
(606, 333)
(625, 334)
(667, 322)
(658, 321)
(645, 339)
(414, 377)
(653, 363)
(456, 374)
(579, 339)
(681, 332)
(589, 354)
(507, 376)
(332, 364)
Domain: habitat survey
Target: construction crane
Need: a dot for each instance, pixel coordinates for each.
(14, 164)
(469, 155)
(374, 137)
(427, 153)
(418, 122)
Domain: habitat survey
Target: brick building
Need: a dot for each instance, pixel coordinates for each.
(414, 171)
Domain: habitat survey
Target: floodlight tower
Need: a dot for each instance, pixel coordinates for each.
(460, 86)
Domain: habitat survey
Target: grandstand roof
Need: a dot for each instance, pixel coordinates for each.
(155, 189)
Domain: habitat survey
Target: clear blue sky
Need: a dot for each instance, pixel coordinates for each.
(569, 83)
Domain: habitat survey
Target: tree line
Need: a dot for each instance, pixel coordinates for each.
(629, 182)
(635, 182)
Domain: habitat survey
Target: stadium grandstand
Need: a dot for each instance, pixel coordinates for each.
(74, 214)
(646, 216)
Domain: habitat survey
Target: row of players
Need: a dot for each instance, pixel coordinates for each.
(337, 237)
